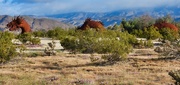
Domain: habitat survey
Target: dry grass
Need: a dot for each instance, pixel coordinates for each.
(70, 69)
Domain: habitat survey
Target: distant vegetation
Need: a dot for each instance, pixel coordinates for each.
(117, 40)
(143, 27)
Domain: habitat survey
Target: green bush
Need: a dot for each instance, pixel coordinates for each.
(28, 37)
(58, 33)
(24, 37)
(111, 42)
(70, 43)
(148, 44)
(148, 33)
(169, 34)
(40, 33)
(7, 49)
(144, 44)
(35, 41)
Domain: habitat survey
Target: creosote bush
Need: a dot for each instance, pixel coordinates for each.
(7, 49)
(28, 37)
(114, 43)
(169, 34)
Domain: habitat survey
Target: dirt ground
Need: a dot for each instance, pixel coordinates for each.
(71, 69)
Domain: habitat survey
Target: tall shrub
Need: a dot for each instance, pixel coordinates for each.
(7, 49)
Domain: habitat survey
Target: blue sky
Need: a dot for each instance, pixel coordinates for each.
(47, 7)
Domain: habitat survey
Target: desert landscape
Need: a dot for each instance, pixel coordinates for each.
(89, 42)
(78, 69)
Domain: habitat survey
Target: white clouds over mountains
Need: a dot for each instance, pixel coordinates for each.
(44, 7)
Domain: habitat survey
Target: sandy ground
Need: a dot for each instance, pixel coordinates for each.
(71, 69)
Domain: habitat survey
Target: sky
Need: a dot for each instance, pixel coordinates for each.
(49, 7)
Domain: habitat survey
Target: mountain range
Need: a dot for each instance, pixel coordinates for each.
(70, 20)
(115, 17)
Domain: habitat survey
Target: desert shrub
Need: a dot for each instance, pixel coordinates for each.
(70, 43)
(144, 44)
(151, 33)
(24, 37)
(40, 33)
(21, 48)
(169, 34)
(87, 44)
(35, 41)
(148, 33)
(137, 23)
(34, 54)
(114, 43)
(115, 49)
(58, 33)
(167, 18)
(28, 37)
(148, 44)
(7, 49)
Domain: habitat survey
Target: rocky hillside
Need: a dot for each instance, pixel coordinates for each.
(35, 23)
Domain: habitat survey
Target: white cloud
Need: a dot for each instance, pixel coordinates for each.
(40, 7)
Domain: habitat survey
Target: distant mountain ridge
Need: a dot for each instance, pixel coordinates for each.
(111, 18)
(70, 20)
(36, 23)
